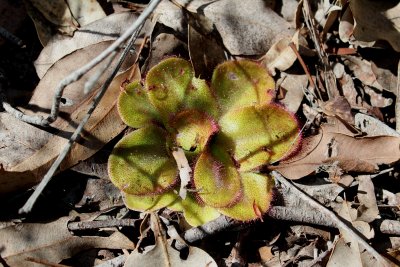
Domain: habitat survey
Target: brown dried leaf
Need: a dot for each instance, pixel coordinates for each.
(59, 46)
(368, 209)
(85, 12)
(377, 20)
(205, 54)
(247, 27)
(162, 254)
(51, 242)
(281, 56)
(291, 90)
(340, 107)
(50, 17)
(43, 148)
(347, 152)
(362, 70)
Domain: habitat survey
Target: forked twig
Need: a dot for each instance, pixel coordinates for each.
(76, 75)
(32, 199)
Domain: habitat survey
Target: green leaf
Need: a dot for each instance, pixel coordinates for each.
(167, 84)
(257, 195)
(196, 214)
(134, 106)
(199, 97)
(140, 163)
(259, 135)
(240, 84)
(152, 202)
(217, 179)
(194, 129)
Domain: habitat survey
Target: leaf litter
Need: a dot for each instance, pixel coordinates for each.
(349, 150)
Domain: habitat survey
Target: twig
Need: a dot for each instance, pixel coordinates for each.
(76, 75)
(32, 199)
(90, 83)
(11, 37)
(77, 226)
(304, 66)
(337, 220)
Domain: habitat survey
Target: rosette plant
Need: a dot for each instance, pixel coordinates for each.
(229, 129)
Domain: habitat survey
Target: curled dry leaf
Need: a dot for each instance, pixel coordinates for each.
(21, 171)
(347, 152)
(51, 242)
(59, 46)
(247, 27)
(281, 56)
(372, 17)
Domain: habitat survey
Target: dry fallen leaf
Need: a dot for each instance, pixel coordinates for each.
(162, 254)
(373, 126)
(205, 54)
(50, 17)
(108, 28)
(281, 56)
(291, 92)
(22, 171)
(362, 70)
(51, 242)
(85, 12)
(347, 251)
(246, 27)
(377, 20)
(349, 153)
(368, 210)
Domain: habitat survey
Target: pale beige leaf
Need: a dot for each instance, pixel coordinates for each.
(362, 70)
(160, 258)
(377, 20)
(346, 25)
(368, 210)
(108, 28)
(281, 56)
(85, 11)
(291, 87)
(347, 152)
(247, 27)
(343, 255)
(104, 124)
(373, 126)
(51, 242)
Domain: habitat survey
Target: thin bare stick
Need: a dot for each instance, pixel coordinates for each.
(90, 83)
(46, 179)
(77, 226)
(338, 221)
(76, 75)
(303, 65)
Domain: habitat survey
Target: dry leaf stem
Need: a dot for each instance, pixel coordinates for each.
(339, 222)
(54, 167)
(76, 75)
